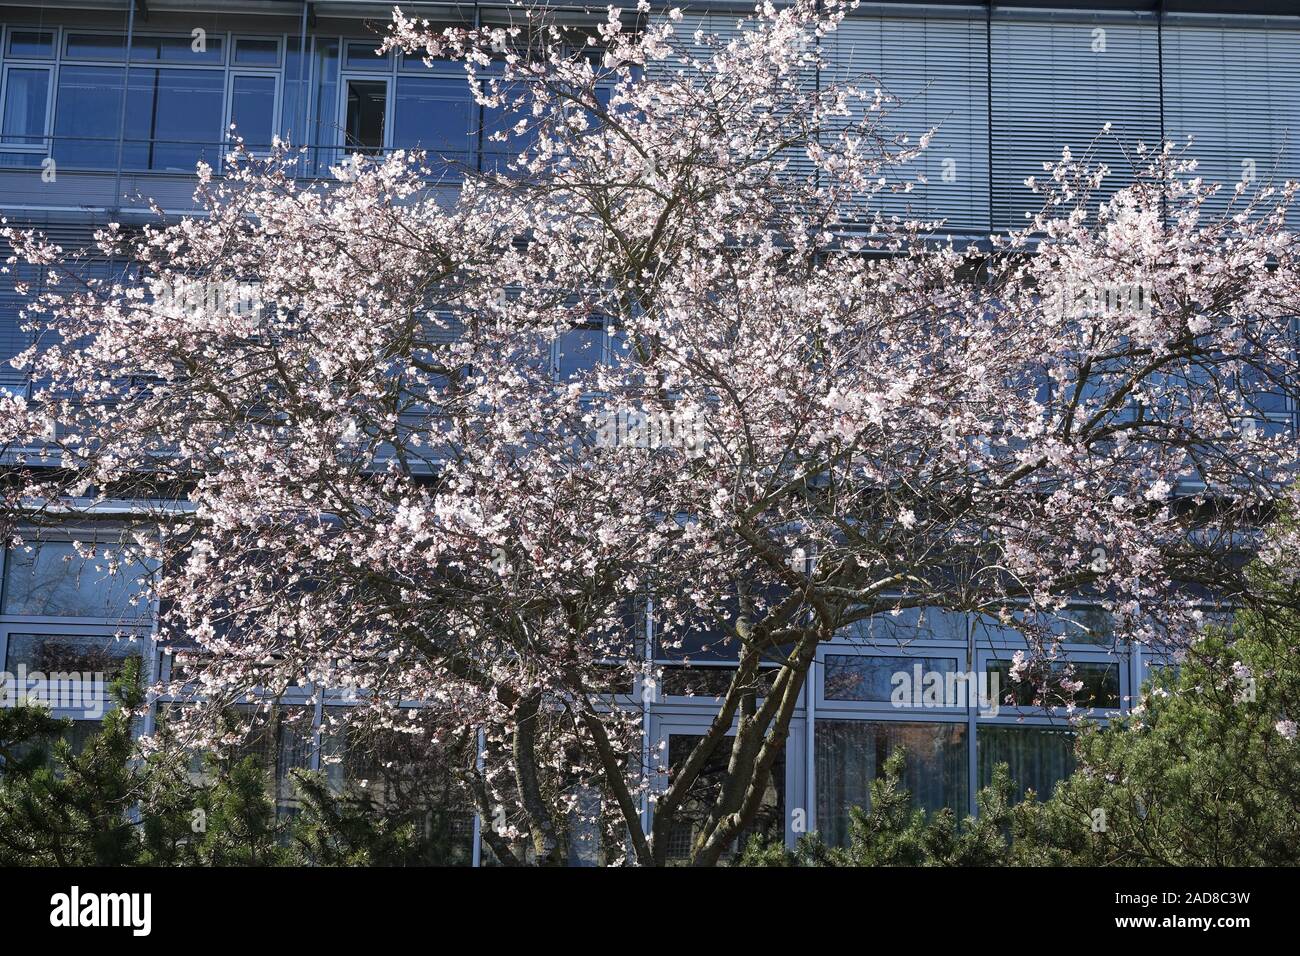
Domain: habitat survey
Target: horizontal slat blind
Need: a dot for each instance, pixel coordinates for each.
(13, 338)
(936, 66)
(1056, 83)
(1236, 89)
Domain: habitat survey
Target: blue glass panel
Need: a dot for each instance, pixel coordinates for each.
(252, 110)
(173, 119)
(88, 116)
(26, 95)
(31, 43)
(435, 113)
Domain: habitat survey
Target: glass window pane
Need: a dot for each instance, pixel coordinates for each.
(189, 49)
(257, 52)
(363, 55)
(252, 110)
(578, 351)
(435, 113)
(850, 754)
(1038, 757)
(51, 578)
(909, 624)
(174, 119)
(364, 129)
(96, 46)
(503, 141)
(31, 43)
(410, 776)
(310, 118)
(769, 822)
(887, 679)
(1100, 684)
(88, 114)
(26, 96)
(71, 653)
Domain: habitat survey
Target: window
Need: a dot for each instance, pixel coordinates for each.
(187, 49)
(257, 52)
(409, 775)
(935, 62)
(909, 624)
(173, 119)
(26, 102)
(252, 109)
(1101, 684)
(88, 116)
(1037, 757)
(366, 105)
(309, 111)
(850, 754)
(503, 139)
(95, 46)
(769, 821)
(31, 43)
(44, 578)
(1235, 88)
(13, 337)
(860, 677)
(578, 350)
(71, 653)
(364, 55)
(710, 681)
(1054, 83)
(436, 114)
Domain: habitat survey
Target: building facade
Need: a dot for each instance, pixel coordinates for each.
(106, 105)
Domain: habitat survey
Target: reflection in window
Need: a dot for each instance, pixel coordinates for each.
(409, 776)
(1038, 757)
(710, 681)
(309, 113)
(77, 736)
(850, 754)
(1076, 624)
(279, 742)
(868, 678)
(910, 624)
(768, 823)
(1042, 685)
(51, 578)
(71, 653)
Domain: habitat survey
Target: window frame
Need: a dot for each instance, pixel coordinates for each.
(55, 30)
(346, 77)
(42, 148)
(234, 73)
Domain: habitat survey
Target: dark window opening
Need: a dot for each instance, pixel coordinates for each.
(365, 119)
